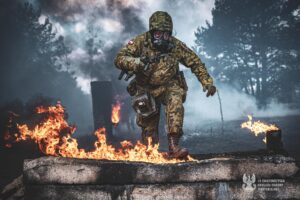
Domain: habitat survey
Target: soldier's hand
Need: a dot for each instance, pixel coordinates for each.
(211, 90)
(138, 65)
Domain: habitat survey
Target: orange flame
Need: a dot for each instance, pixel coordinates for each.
(115, 113)
(54, 137)
(258, 127)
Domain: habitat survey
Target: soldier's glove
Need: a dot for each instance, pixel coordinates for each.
(138, 65)
(211, 90)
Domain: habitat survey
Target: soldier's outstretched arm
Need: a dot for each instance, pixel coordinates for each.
(128, 58)
(191, 60)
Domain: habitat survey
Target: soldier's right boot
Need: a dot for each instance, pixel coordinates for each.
(174, 150)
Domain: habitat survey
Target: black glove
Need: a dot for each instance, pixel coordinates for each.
(211, 90)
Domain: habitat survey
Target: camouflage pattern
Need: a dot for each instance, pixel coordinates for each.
(174, 109)
(161, 79)
(162, 72)
(172, 98)
(161, 21)
(149, 127)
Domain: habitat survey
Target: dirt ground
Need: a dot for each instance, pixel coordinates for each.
(210, 140)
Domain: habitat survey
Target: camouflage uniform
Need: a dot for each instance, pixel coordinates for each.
(162, 80)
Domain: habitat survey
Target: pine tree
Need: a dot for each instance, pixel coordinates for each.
(254, 45)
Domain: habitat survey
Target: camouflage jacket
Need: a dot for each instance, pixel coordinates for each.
(165, 70)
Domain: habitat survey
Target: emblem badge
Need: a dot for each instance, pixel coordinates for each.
(249, 182)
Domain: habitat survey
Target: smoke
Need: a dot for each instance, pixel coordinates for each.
(111, 24)
(115, 22)
(95, 30)
(187, 16)
(236, 105)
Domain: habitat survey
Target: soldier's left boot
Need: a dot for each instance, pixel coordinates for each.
(153, 135)
(174, 150)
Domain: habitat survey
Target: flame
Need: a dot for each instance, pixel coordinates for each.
(115, 113)
(54, 137)
(259, 127)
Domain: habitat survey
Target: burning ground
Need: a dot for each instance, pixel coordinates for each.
(53, 123)
(202, 141)
(53, 135)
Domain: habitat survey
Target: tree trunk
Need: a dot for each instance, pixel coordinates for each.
(263, 91)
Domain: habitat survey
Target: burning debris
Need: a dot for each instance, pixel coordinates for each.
(54, 137)
(258, 127)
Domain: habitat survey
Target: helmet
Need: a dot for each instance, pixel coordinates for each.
(161, 21)
(161, 26)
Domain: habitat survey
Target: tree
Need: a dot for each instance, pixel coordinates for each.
(31, 62)
(30, 51)
(254, 45)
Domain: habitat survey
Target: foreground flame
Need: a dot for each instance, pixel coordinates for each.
(115, 113)
(54, 137)
(259, 127)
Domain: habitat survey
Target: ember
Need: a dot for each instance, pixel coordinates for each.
(54, 137)
(259, 127)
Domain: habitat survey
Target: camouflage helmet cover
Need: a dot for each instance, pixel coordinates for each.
(160, 21)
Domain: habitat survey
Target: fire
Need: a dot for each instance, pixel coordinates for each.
(54, 137)
(258, 127)
(115, 113)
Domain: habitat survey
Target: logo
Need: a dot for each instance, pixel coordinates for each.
(249, 182)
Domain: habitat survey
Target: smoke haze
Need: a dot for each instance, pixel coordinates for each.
(110, 24)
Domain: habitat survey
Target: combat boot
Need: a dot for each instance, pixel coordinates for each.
(146, 135)
(174, 150)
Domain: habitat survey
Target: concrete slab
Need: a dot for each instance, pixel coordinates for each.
(58, 170)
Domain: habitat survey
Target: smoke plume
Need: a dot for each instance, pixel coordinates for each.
(95, 30)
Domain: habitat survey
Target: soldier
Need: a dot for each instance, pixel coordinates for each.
(154, 57)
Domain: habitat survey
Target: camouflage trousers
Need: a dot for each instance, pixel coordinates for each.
(172, 97)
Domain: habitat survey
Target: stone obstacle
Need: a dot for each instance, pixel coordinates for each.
(227, 177)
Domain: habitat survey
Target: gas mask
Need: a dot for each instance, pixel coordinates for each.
(161, 40)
